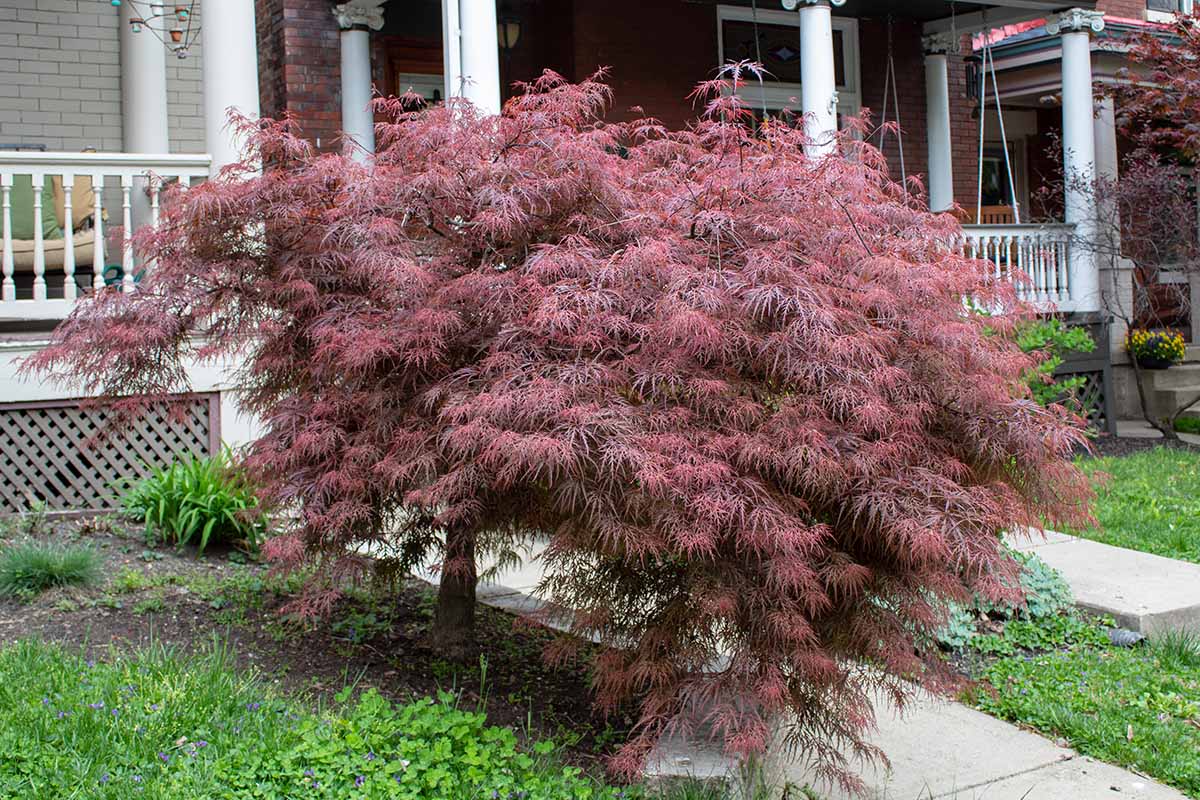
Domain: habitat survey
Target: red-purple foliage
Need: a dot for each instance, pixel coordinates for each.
(1160, 105)
(737, 389)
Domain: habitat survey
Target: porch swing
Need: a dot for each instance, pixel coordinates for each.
(983, 214)
(993, 215)
(891, 93)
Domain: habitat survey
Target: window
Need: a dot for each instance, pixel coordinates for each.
(1165, 10)
(778, 48)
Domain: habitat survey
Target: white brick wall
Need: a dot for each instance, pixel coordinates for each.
(60, 78)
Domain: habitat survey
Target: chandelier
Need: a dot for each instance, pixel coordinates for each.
(179, 37)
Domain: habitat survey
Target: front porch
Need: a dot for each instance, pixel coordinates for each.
(828, 59)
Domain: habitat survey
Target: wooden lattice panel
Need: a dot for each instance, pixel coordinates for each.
(62, 453)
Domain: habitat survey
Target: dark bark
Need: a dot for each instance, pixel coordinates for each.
(453, 633)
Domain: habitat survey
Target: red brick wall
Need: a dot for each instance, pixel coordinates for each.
(299, 72)
(656, 62)
(910, 83)
(268, 17)
(964, 134)
(1128, 9)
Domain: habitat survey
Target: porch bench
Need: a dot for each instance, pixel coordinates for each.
(83, 233)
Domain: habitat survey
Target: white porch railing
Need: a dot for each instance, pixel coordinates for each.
(40, 277)
(1042, 252)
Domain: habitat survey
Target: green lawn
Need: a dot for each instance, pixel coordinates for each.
(1137, 707)
(163, 726)
(1150, 503)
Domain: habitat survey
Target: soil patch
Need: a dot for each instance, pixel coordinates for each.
(163, 596)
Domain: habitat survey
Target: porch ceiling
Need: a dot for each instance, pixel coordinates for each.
(934, 11)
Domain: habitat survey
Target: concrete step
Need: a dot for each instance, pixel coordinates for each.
(1142, 592)
(1165, 402)
(1180, 376)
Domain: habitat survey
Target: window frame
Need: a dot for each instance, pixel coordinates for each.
(1156, 15)
(780, 96)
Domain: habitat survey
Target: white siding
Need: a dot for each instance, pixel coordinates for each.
(60, 78)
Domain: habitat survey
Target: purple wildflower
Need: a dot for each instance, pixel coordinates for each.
(360, 780)
(104, 778)
(96, 706)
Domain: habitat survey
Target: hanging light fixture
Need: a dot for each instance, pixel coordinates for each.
(182, 34)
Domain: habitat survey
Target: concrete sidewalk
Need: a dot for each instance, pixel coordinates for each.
(939, 749)
(1143, 592)
(942, 749)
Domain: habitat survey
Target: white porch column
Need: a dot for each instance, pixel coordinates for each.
(357, 19)
(937, 116)
(1079, 147)
(143, 85)
(471, 52)
(229, 72)
(144, 127)
(818, 76)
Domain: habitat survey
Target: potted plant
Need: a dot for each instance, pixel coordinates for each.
(1155, 349)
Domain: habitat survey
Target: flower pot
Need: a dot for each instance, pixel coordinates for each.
(1154, 362)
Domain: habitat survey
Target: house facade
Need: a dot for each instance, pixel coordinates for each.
(101, 102)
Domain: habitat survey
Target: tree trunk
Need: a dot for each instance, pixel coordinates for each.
(453, 633)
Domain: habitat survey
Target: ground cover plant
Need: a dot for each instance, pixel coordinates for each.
(1148, 501)
(1057, 670)
(734, 385)
(1137, 707)
(375, 635)
(161, 725)
(197, 501)
(29, 567)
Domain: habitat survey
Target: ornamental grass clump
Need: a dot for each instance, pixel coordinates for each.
(29, 568)
(737, 388)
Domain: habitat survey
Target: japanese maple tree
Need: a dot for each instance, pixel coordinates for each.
(1159, 102)
(738, 390)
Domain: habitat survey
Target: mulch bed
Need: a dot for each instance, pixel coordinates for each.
(1109, 445)
(371, 641)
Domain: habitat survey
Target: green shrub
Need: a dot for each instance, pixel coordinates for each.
(1188, 425)
(32, 567)
(1056, 341)
(1047, 595)
(158, 725)
(200, 500)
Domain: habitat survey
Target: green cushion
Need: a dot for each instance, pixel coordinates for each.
(22, 209)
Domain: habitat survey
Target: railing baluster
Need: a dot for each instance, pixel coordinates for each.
(8, 290)
(1036, 273)
(39, 243)
(1068, 284)
(155, 186)
(69, 288)
(97, 231)
(127, 233)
